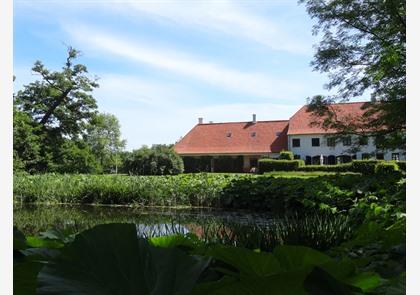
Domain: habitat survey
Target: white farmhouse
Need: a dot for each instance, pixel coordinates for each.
(311, 142)
(237, 146)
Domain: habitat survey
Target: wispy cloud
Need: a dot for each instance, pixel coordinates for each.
(233, 18)
(252, 83)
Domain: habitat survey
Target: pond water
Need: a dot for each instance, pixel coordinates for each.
(241, 228)
(32, 219)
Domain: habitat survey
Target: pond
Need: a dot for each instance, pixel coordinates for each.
(32, 219)
(240, 228)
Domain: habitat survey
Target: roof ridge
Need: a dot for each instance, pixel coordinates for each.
(262, 121)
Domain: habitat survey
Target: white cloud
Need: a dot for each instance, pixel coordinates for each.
(251, 83)
(229, 17)
(144, 92)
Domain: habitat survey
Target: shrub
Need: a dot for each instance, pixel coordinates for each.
(268, 165)
(384, 168)
(157, 160)
(286, 155)
(364, 166)
(328, 168)
(401, 165)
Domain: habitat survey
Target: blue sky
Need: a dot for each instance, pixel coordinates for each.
(163, 64)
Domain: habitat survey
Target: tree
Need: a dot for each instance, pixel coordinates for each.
(26, 144)
(104, 137)
(60, 106)
(157, 160)
(363, 49)
(77, 157)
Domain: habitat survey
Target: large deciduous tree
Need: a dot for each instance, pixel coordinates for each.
(60, 106)
(363, 50)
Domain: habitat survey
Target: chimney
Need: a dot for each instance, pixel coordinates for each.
(200, 120)
(254, 118)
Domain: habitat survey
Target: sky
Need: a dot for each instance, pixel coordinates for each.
(162, 64)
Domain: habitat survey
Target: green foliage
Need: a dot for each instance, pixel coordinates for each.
(77, 157)
(386, 168)
(189, 189)
(364, 166)
(286, 155)
(26, 143)
(401, 165)
(113, 259)
(56, 127)
(104, 137)
(327, 168)
(363, 48)
(268, 165)
(157, 160)
(332, 192)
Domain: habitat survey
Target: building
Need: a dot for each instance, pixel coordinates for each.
(237, 146)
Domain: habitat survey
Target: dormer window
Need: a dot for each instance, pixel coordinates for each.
(229, 134)
(253, 134)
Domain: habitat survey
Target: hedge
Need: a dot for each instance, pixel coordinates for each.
(286, 155)
(364, 166)
(386, 168)
(329, 168)
(401, 165)
(268, 165)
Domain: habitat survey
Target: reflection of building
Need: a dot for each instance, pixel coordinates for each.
(237, 146)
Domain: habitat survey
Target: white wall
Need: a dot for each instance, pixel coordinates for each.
(306, 148)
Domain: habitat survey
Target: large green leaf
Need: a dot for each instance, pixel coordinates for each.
(285, 283)
(320, 282)
(111, 259)
(247, 262)
(299, 257)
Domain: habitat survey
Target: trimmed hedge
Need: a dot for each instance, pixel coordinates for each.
(286, 155)
(328, 168)
(268, 165)
(386, 168)
(401, 165)
(364, 166)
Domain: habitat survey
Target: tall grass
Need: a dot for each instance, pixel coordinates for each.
(182, 190)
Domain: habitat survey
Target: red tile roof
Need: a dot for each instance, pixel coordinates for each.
(300, 122)
(213, 138)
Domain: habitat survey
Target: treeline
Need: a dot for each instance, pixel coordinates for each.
(57, 128)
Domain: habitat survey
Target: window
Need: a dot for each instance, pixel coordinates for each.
(297, 157)
(380, 156)
(315, 141)
(395, 156)
(296, 142)
(347, 141)
(363, 140)
(253, 134)
(330, 141)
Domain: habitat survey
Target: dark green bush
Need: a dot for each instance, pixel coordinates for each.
(364, 166)
(401, 165)
(157, 160)
(268, 165)
(286, 155)
(384, 168)
(328, 168)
